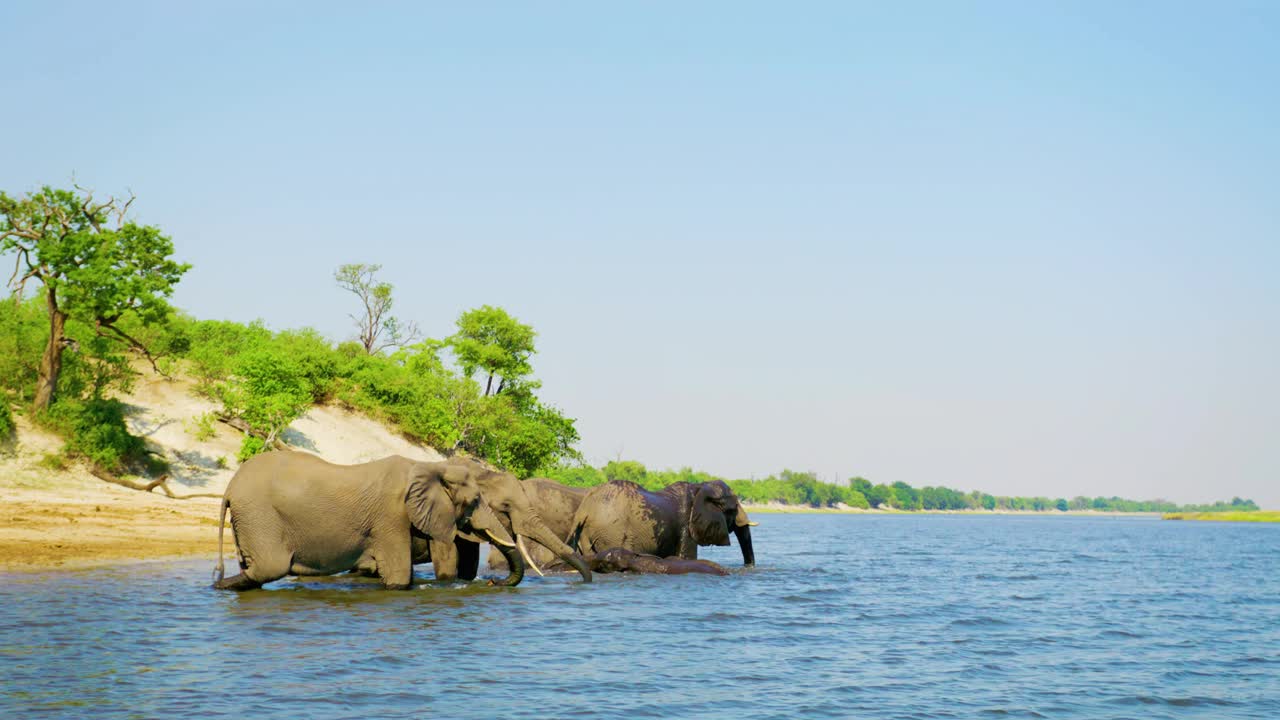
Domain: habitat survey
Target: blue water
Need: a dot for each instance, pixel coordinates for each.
(846, 616)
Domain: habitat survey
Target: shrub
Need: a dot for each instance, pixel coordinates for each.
(268, 390)
(625, 470)
(6, 420)
(576, 475)
(250, 446)
(201, 426)
(95, 430)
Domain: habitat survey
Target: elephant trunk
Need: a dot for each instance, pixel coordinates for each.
(744, 541)
(515, 565)
(536, 529)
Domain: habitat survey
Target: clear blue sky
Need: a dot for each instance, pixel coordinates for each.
(1015, 246)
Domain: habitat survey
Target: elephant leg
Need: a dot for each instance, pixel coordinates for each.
(395, 565)
(444, 559)
(468, 558)
(238, 583)
(264, 552)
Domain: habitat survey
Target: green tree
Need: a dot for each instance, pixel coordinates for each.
(492, 341)
(379, 330)
(878, 495)
(906, 497)
(94, 264)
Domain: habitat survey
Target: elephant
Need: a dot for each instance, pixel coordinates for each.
(623, 560)
(671, 522)
(521, 516)
(556, 504)
(293, 513)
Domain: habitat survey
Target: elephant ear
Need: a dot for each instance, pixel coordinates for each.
(429, 505)
(707, 523)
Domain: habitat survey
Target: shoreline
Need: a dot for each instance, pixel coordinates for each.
(71, 521)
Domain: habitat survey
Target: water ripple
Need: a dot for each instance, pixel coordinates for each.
(847, 616)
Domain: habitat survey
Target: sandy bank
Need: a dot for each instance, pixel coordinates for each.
(84, 522)
(51, 518)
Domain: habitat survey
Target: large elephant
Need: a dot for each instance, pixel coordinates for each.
(521, 515)
(295, 514)
(671, 522)
(556, 505)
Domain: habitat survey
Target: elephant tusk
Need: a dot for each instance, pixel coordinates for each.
(497, 540)
(525, 553)
(753, 524)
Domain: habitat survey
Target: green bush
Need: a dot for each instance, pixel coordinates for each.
(95, 430)
(250, 446)
(576, 475)
(6, 420)
(200, 427)
(625, 470)
(267, 389)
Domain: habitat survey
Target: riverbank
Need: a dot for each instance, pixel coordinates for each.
(83, 522)
(1269, 516)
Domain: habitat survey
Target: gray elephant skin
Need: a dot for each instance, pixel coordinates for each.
(671, 522)
(555, 504)
(619, 560)
(524, 514)
(295, 514)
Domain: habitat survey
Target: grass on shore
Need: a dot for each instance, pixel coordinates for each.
(1255, 516)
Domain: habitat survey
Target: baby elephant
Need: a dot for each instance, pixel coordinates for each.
(295, 514)
(623, 560)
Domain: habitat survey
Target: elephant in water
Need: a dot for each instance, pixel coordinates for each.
(622, 560)
(556, 505)
(673, 521)
(521, 515)
(295, 514)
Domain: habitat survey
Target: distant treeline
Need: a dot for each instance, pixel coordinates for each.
(803, 488)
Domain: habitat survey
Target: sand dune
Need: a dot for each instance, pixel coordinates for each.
(59, 518)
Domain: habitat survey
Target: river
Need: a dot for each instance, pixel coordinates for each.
(860, 616)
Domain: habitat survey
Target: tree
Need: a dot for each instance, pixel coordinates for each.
(94, 263)
(491, 340)
(378, 329)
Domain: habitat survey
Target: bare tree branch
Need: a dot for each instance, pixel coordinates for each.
(161, 482)
(132, 342)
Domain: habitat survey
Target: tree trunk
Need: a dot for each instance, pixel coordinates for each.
(51, 362)
(488, 386)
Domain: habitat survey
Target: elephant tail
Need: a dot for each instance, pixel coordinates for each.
(220, 570)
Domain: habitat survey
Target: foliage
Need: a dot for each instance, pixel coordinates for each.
(6, 420)
(200, 427)
(268, 389)
(625, 470)
(378, 329)
(576, 475)
(491, 340)
(24, 331)
(95, 430)
(250, 446)
(95, 265)
(802, 488)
